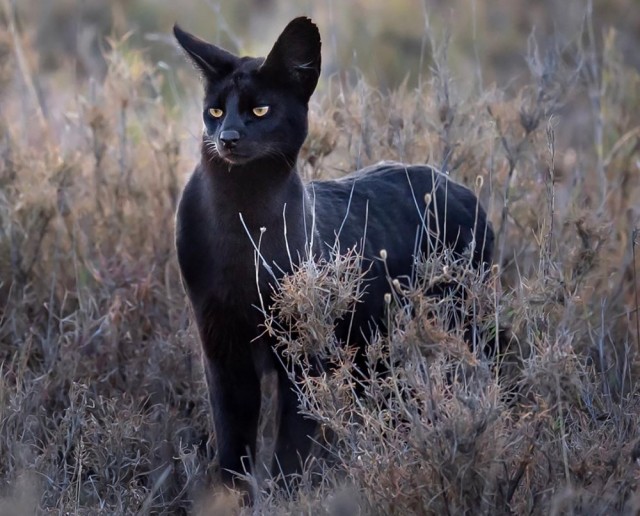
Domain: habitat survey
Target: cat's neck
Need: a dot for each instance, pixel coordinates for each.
(251, 180)
(260, 190)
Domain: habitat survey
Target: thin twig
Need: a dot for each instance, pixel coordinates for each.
(23, 65)
(635, 235)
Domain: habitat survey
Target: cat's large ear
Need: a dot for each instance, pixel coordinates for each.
(214, 62)
(295, 57)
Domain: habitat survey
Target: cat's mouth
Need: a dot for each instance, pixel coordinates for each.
(233, 157)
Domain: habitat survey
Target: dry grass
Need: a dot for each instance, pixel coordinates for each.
(102, 397)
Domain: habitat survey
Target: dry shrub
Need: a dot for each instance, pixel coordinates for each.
(100, 374)
(423, 428)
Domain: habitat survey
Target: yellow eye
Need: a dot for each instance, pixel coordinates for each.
(261, 110)
(215, 112)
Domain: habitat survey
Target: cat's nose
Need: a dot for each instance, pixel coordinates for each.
(229, 139)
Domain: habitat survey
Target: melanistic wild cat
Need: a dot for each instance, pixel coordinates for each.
(247, 189)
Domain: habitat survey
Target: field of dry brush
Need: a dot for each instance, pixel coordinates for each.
(102, 394)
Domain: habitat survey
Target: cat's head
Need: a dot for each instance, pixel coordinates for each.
(256, 108)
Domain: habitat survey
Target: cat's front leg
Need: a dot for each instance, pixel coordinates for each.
(234, 390)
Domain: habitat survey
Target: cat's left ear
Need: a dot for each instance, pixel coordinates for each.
(295, 57)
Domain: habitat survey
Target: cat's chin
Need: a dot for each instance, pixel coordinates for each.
(235, 160)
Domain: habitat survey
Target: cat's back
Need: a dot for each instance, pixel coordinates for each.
(385, 183)
(385, 205)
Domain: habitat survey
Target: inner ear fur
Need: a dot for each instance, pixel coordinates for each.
(214, 62)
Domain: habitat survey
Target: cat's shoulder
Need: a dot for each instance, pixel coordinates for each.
(193, 196)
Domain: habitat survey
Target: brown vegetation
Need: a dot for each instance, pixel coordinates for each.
(102, 396)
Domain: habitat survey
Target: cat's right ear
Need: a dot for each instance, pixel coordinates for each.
(214, 62)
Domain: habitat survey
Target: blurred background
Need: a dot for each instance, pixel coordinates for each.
(385, 39)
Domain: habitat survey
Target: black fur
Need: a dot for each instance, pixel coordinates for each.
(249, 193)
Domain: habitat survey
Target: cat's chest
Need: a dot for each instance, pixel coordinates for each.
(229, 260)
(216, 261)
(230, 246)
